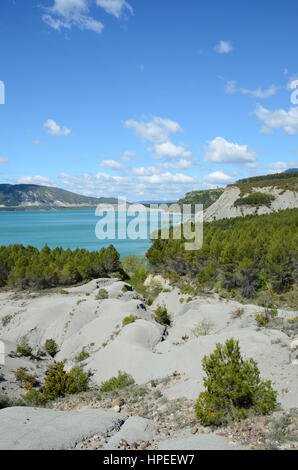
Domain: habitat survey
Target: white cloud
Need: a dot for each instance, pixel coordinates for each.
(69, 13)
(115, 7)
(163, 186)
(222, 151)
(163, 166)
(34, 180)
(231, 88)
(279, 119)
(168, 178)
(158, 130)
(54, 129)
(113, 165)
(223, 47)
(170, 150)
(259, 93)
(3, 159)
(218, 177)
(279, 167)
(128, 156)
(75, 13)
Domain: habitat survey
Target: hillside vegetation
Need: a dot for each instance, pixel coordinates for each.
(284, 181)
(205, 197)
(248, 254)
(28, 267)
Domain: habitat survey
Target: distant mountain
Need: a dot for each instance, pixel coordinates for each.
(291, 170)
(35, 197)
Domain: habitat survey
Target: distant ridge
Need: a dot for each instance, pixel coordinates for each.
(36, 197)
(291, 170)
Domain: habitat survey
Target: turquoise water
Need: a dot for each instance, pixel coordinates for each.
(66, 228)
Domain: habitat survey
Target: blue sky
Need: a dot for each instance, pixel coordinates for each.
(146, 99)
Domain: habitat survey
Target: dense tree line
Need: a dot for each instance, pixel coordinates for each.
(255, 199)
(28, 267)
(247, 253)
(273, 177)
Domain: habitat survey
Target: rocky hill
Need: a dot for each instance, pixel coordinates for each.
(257, 195)
(206, 197)
(33, 197)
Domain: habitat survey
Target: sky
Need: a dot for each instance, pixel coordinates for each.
(147, 99)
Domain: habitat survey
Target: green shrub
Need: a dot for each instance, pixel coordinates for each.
(51, 347)
(34, 398)
(203, 328)
(79, 379)
(82, 356)
(255, 199)
(233, 387)
(64, 292)
(129, 319)
(6, 320)
(102, 294)
(261, 319)
(115, 383)
(132, 263)
(6, 402)
(24, 348)
(27, 380)
(161, 316)
(58, 383)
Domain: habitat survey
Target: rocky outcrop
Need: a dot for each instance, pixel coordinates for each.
(224, 206)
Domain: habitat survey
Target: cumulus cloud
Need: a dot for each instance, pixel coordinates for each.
(75, 13)
(279, 167)
(260, 93)
(158, 130)
(54, 129)
(218, 177)
(231, 88)
(162, 186)
(222, 151)
(278, 119)
(3, 159)
(113, 165)
(223, 47)
(170, 150)
(163, 166)
(168, 178)
(128, 156)
(42, 180)
(69, 13)
(115, 7)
